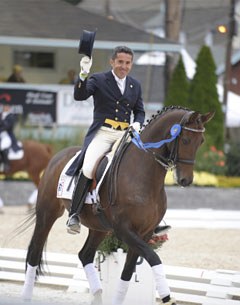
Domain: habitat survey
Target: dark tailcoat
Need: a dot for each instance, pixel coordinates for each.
(109, 103)
(8, 125)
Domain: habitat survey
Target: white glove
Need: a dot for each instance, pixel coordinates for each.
(136, 126)
(85, 65)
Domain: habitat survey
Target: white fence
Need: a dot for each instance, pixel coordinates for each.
(188, 285)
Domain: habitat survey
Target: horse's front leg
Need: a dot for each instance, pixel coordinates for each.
(126, 276)
(139, 246)
(86, 256)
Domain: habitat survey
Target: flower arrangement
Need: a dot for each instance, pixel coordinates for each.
(212, 161)
(111, 243)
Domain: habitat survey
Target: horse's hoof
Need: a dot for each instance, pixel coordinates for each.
(170, 302)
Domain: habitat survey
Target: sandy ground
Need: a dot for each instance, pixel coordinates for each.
(198, 248)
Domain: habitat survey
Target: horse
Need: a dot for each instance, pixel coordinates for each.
(35, 159)
(132, 199)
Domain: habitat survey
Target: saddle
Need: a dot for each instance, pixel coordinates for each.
(66, 183)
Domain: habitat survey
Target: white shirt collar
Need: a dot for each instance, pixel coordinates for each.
(121, 80)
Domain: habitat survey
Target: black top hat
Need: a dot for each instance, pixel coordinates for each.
(86, 43)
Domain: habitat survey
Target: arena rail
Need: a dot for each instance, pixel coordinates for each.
(188, 285)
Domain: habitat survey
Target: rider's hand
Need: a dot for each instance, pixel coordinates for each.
(136, 126)
(85, 66)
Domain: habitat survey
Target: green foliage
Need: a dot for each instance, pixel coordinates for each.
(178, 90)
(111, 243)
(203, 96)
(211, 160)
(57, 138)
(233, 160)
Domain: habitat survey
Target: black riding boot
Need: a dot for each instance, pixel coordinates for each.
(78, 199)
(5, 160)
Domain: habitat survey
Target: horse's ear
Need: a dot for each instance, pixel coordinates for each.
(193, 117)
(207, 117)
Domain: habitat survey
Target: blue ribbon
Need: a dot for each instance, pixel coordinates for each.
(174, 131)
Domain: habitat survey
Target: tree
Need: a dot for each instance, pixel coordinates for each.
(203, 95)
(178, 90)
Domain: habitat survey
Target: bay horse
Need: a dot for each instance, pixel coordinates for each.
(134, 210)
(35, 159)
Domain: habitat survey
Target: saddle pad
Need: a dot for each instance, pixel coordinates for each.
(66, 184)
(16, 155)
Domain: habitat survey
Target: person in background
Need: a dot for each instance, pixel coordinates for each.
(7, 137)
(16, 76)
(70, 79)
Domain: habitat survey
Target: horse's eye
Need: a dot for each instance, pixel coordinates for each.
(186, 141)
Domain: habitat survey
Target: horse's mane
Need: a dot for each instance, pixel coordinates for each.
(161, 112)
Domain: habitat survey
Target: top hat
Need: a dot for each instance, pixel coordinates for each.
(86, 43)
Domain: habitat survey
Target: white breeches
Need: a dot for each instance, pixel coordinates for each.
(101, 143)
(5, 140)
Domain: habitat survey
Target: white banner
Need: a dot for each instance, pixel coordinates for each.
(71, 112)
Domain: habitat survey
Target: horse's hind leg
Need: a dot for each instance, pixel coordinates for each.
(45, 218)
(86, 256)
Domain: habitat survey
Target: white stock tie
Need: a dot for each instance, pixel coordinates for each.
(120, 83)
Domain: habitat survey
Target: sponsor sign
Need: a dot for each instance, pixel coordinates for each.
(35, 106)
(71, 112)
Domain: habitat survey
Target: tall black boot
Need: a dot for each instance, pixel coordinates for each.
(5, 160)
(78, 200)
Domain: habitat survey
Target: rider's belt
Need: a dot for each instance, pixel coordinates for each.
(115, 124)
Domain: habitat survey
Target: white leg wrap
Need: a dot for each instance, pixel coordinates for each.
(161, 282)
(93, 278)
(29, 282)
(120, 293)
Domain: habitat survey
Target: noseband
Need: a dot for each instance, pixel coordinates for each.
(170, 162)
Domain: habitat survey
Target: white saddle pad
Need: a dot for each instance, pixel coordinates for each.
(66, 184)
(16, 155)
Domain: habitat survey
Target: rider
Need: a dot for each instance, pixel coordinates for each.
(7, 137)
(116, 97)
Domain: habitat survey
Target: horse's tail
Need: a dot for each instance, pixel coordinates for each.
(21, 229)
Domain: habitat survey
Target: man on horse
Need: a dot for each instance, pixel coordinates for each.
(116, 96)
(7, 137)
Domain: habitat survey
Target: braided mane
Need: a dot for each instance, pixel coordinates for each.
(161, 112)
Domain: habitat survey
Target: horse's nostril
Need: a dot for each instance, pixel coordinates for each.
(185, 182)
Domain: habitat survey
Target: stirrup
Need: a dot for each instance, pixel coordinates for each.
(73, 224)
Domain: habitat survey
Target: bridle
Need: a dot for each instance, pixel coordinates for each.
(171, 161)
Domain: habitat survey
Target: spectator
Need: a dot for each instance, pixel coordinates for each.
(70, 79)
(16, 76)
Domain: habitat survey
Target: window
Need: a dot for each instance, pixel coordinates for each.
(45, 60)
